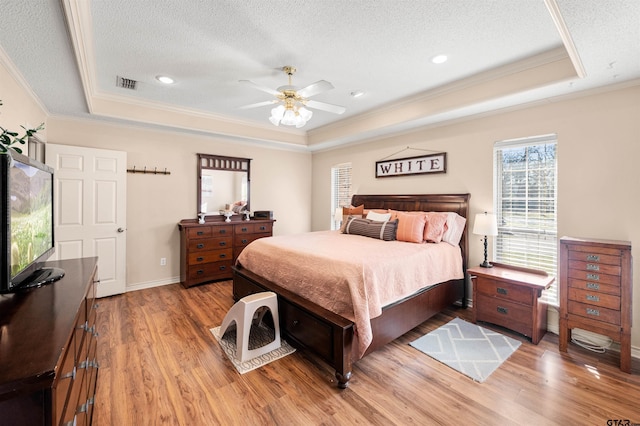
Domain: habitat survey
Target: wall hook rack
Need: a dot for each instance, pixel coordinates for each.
(144, 170)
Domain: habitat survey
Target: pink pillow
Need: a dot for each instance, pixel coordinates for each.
(410, 227)
(434, 229)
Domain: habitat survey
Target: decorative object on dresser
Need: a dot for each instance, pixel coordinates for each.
(48, 349)
(209, 250)
(485, 225)
(509, 296)
(596, 291)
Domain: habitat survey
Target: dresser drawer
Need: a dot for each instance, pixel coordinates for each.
(505, 290)
(252, 228)
(243, 240)
(594, 312)
(594, 277)
(209, 231)
(513, 316)
(594, 286)
(210, 271)
(62, 385)
(210, 244)
(210, 256)
(595, 257)
(594, 298)
(593, 267)
(591, 252)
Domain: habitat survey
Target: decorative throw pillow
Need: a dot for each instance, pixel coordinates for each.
(434, 229)
(368, 228)
(378, 217)
(454, 228)
(411, 227)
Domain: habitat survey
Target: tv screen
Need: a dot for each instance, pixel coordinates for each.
(27, 221)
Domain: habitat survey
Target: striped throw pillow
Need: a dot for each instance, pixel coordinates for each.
(368, 228)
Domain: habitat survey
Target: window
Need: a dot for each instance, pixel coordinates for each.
(340, 190)
(525, 179)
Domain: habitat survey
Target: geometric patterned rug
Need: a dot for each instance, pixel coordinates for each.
(472, 350)
(259, 336)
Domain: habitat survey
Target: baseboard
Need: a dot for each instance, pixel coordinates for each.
(151, 284)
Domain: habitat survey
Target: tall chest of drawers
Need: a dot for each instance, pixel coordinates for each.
(596, 291)
(208, 251)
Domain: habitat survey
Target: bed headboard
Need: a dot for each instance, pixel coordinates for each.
(458, 203)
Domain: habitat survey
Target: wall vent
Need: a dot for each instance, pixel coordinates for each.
(126, 83)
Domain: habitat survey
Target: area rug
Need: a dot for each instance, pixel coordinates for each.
(472, 350)
(259, 336)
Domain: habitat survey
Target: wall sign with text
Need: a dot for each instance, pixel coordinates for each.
(432, 163)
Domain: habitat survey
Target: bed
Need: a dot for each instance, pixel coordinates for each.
(334, 334)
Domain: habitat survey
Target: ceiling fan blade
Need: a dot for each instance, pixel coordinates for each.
(336, 109)
(257, 86)
(259, 104)
(315, 88)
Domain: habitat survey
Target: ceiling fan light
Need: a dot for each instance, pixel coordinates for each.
(275, 121)
(278, 112)
(289, 118)
(305, 113)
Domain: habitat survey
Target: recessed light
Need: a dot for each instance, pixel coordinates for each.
(164, 79)
(357, 93)
(439, 59)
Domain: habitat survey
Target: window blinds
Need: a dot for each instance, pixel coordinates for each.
(340, 190)
(525, 179)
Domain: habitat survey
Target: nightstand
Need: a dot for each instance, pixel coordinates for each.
(509, 296)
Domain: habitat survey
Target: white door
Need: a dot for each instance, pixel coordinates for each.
(90, 210)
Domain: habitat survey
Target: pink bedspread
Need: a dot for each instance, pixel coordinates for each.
(351, 275)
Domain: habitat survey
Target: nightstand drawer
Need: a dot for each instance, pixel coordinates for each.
(505, 290)
(507, 314)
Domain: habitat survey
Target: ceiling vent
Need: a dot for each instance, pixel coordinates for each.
(126, 83)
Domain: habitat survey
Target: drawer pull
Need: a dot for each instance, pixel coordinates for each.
(244, 229)
(222, 268)
(244, 241)
(200, 233)
(199, 272)
(200, 259)
(501, 290)
(69, 375)
(223, 243)
(594, 277)
(593, 258)
(223, 231)
(295, 322)
(502, 310)
(592, 267)
(593, 286)
(592, 298)
(263, 228)
(200, 245)
(594, 312)
(222, 256)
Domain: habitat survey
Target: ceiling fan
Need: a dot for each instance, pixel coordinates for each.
(292, 111)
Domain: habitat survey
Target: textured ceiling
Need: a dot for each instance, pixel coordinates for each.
(501, 53)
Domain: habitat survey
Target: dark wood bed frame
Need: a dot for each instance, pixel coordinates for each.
(329, 335)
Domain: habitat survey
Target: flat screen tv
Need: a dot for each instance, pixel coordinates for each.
(26, 223)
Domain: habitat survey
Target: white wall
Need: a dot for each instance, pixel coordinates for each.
(598, 175)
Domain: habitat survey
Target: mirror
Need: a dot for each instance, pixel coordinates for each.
(223, 184)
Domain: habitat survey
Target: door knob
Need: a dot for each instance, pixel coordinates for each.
(120, 230)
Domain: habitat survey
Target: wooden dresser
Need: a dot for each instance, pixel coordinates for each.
(596, 291)
(509, 296)
(209, 250)
(48, 364)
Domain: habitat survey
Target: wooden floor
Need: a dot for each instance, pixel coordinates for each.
(159, 364)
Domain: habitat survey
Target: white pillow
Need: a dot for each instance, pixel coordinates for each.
(454, 228)
(378, 217)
